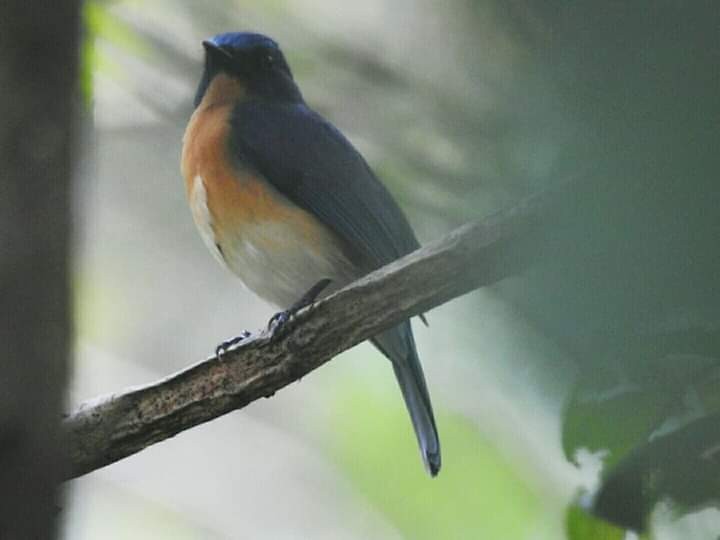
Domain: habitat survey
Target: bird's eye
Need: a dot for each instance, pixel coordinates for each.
(269, 59)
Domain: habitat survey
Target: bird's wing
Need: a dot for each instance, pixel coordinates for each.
(312, 164)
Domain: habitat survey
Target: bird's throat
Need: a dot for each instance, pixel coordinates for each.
(223, 90)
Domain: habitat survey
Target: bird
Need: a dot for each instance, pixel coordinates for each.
(284, 200)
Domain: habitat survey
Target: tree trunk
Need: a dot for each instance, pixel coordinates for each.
(38, 75)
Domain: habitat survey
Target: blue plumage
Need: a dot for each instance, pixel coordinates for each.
(311, 163)
(307, 160)
(243, 40)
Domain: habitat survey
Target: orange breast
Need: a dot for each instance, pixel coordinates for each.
(235, 198)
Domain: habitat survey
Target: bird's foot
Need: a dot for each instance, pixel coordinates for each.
(225, 346)
(280, 320)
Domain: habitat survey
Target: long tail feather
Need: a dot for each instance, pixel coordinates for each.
(398, 345)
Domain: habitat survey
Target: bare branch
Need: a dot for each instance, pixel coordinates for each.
(107, 429)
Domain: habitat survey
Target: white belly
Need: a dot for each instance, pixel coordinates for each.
(275, 262)
(273, 259)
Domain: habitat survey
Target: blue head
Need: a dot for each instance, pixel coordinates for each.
(241, 41)
(255, 60)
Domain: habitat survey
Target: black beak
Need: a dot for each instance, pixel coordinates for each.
(214, 50)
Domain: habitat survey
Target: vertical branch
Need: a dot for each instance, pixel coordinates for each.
(38, 74)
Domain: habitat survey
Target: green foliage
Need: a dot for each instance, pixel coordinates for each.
(654, 411)
(479, 493)
(99, 23)
(87, 55)
(579, 525)
(597, 417)
(683, 466)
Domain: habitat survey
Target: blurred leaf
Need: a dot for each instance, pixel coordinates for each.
(100, 23)
(579, 525)
(673, 357)
(602, 414)
(87, 57)
(479, 493)
(683, 466)
(644, 411)
(618, 407)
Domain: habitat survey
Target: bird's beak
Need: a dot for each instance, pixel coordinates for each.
(216, 51)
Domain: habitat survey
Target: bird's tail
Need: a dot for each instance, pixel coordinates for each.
(398, 345)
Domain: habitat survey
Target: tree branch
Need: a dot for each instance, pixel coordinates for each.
(109, 428)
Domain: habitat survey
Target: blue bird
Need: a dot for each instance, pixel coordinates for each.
(286, 202)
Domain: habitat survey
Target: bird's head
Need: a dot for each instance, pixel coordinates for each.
(254, 61)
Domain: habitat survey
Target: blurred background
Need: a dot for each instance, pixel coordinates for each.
(461, 108)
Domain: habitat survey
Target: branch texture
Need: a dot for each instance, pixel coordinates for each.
(107, 429)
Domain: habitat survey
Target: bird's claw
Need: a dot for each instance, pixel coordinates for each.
(225, 346)
(279, 320)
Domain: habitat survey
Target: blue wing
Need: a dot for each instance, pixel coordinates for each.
(310, 162)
